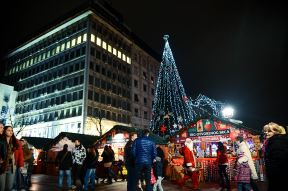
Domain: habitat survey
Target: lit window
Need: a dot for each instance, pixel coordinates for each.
(104, 45)
(109, 48)
(85, 37)
(62, 47)
(119, 54)
(68, 44)
(128, 60)
(98, 41)
(114, 51)
(92, 38)
(79, 39)
(123, 57)
(48, 54)
(57, 49)
(73, 42)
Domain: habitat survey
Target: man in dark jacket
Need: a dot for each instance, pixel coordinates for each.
(64, 160)
(144, 151)
(130, 163)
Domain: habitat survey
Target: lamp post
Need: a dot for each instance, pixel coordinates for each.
(228, 112)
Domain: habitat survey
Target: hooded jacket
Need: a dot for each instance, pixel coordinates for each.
(243, 147)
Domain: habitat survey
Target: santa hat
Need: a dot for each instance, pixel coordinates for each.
(189, 143)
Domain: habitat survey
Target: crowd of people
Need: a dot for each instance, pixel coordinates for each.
(143, 162)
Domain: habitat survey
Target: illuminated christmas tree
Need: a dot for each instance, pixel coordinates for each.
(171, 108)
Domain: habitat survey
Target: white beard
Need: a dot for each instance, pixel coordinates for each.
(190, 146)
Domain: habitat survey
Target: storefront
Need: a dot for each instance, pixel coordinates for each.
(206, 133)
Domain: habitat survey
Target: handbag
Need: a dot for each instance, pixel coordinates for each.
(153, 178)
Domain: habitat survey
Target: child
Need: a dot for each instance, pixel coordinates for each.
(158, 169)
(243, 173)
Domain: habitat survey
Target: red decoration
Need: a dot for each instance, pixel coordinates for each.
(208, 126)
(163, 128)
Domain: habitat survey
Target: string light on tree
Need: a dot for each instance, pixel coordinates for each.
(171, 105)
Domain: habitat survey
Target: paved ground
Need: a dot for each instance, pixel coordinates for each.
(42, 182)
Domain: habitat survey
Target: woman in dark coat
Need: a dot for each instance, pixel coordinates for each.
(276, 156)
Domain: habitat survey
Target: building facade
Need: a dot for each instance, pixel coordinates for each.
(79, 77)
(7, 104)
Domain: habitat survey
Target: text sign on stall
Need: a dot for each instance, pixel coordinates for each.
(209, 133)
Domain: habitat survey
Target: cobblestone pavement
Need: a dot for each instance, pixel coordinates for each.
(42, 182)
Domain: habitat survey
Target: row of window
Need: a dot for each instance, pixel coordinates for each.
(104, 45)
(137, 113)
(51, 116)
(96, 112)
(108, 100)
(61, 85)
(144, 87)
(70, 31)
(120, 66)
(74, 96)
(106, 85)
(114, 38)
(58, 48)
(54, 74)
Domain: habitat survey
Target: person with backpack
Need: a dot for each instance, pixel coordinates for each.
(64, 161)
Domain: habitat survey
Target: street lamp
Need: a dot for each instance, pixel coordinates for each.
(228, 112)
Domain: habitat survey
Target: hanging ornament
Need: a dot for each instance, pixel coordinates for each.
(163, 128)
(180, 126)
(175, 125)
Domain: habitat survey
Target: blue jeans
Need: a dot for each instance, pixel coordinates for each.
(146, 169)
(243, 186)
(89, 176)
(60, 178)
(131, 178)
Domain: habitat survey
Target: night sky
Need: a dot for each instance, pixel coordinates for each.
(231, 52)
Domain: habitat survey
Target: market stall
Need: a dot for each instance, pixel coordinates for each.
(206, 133)
(118, 136)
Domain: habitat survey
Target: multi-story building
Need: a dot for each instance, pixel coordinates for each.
(7, 103)
(84, 75)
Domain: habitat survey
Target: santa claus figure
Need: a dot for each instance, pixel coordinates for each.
(190, 170)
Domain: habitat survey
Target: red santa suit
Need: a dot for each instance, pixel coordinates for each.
(189, 163)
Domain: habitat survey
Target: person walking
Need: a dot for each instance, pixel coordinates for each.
(144, 151)
(243, 147)
(130, 163)
(64, 161)
(158, 169)
(107, 160)
(189, 165)
(21, 178)
(222, 161)
(243, 172)
(12, 160)
(78, 157)
(276, 156)
(90, 168)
